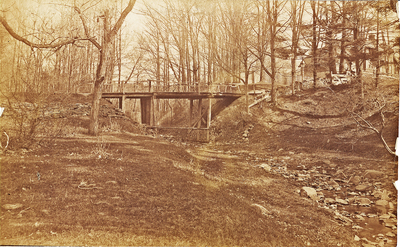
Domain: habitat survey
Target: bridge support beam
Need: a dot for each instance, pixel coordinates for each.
(208, 120)
(153, 111)
(145, 110)
(200, 118)
(190, 111)
(121, 103)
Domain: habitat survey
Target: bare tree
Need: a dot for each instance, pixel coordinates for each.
(296, 12)
(103, 47)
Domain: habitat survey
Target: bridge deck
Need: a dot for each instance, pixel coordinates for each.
(171, 95)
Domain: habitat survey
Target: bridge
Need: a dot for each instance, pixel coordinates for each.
(150, 91)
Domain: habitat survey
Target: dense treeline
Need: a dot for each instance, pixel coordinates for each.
(70, 47)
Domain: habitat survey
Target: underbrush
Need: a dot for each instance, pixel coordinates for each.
(233, 123)
(31, 120)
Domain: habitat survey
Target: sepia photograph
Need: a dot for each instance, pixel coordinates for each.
(199, 122)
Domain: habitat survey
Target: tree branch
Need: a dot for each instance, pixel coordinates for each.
(122, 18)
(368, 125)
(31, 44)
(91, 39)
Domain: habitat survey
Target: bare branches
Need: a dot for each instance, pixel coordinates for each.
(121, 19)
(85, 27)
(363, 123)
(32, 44)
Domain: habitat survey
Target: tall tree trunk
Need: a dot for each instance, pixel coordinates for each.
(342, 42)
(314, 42)
(98, 84)
(273, 21)
(377, 49)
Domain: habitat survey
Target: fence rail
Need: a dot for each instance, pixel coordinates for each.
(154, 86)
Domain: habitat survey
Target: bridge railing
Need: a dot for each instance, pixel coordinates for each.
(153, 86)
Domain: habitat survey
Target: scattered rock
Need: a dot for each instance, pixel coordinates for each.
(355, 180)
(363, 201)
(264, 211)
(356, 238)
(390, 234)
(384, 195)
(381, 203)
(341, 201)
(384, 217)
(360, 217)
(363, 187)
(390, 223)
(329, 200)
(311, 192)
(373, 174)
(266, 167)
(346, 220)
(12, 206)
(368, 245)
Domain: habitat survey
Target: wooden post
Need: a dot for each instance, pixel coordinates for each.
(144, 110)
(190, 111)
(152, 114)
(254, 81)
(147, 107)
(121, 103)
(200, 116)
(149, 85)
(208, 120)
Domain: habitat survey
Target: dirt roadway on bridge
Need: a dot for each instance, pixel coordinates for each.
(243, 188)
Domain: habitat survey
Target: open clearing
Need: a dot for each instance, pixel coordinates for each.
(243, 188)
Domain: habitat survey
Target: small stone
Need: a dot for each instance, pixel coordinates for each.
(355, 180)
(381, 203)
(390, 222)
(347, 221)
(362, 187)
(384, 195)
(364, 201)
(373, 174)
(341, 201)
(12, 206)
(390, 234)
(384, 217)
(311, 192)
(360, 217)
(266, 167)
(329, 200)
(391, 206)
(333, 183)
(356, 238)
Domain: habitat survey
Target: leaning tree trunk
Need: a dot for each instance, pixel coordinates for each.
(109, 34)
(97, 92)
